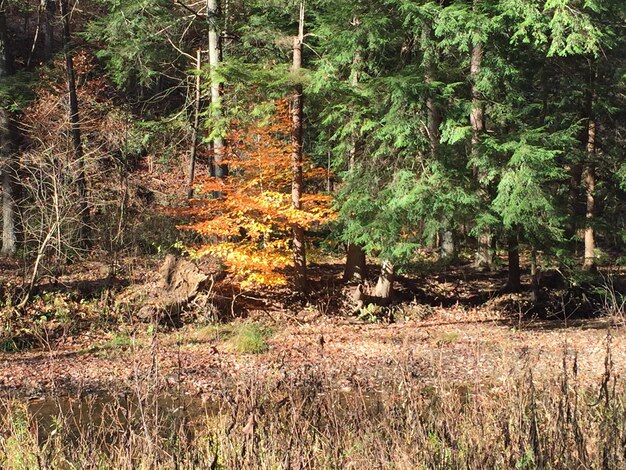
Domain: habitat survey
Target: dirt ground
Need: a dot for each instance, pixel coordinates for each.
(483, 353)
(454, 326)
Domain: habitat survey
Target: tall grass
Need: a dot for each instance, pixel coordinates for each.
(301, 420)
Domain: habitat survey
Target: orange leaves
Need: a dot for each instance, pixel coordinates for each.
(254, 216)
(250, 265)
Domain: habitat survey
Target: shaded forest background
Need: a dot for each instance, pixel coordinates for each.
(404, 133)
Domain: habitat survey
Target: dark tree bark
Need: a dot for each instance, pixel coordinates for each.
(575, 177)
(44, 32)
(7, 159)
(81, 182)
(514, 283)
(476, 113)
(299, 252)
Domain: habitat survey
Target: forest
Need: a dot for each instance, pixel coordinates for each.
(313, 234)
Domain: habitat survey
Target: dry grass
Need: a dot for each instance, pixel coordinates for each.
(303, 420)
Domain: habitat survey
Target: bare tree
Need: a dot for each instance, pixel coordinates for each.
(196, 126)
(81, 181)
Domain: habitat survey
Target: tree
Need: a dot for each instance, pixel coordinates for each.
(299, 250)
(7, 161)
(83, 232)
(589, 177)
(249, 226)
(220, 170)
(356, 260)
(197, 102)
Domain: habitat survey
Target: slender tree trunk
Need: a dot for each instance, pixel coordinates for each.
(7, 165)
(299, 252)
(476, 113)
(220, 170)
(590, 245)
(196, 126)
(384, 286)
(484, 255)
(589, 179)
(446, 247)
(81, 182)
(356, 263)
(514, 283)
(575, 176)
(7, 161)
(535, 275)
(354, 79)
(33, 47)
(432, 108)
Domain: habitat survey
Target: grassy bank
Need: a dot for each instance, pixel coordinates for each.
(301, 420)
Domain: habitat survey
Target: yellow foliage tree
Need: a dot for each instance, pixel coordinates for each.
(249, 225)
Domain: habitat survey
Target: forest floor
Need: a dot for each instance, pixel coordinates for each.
(455, 326)
(471, 353)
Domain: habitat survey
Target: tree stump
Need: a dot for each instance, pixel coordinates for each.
(179, 282)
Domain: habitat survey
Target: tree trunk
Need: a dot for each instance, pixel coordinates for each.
(447, 245)
(299, 252)
(196, 126)
(356, 263)
(590, 246)
(356, 266)
(483, 258)
(575, 176)
(7, 163)
(513, 284)
(81, 183)
(432, 108)
(384, 286)
(476, 113)
(484, 255)
(446, 248)
(589, 178)
(535, 274)
(220, 170)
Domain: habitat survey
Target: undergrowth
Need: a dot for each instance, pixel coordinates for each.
(302, 420)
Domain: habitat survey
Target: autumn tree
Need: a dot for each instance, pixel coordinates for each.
(249, 226)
